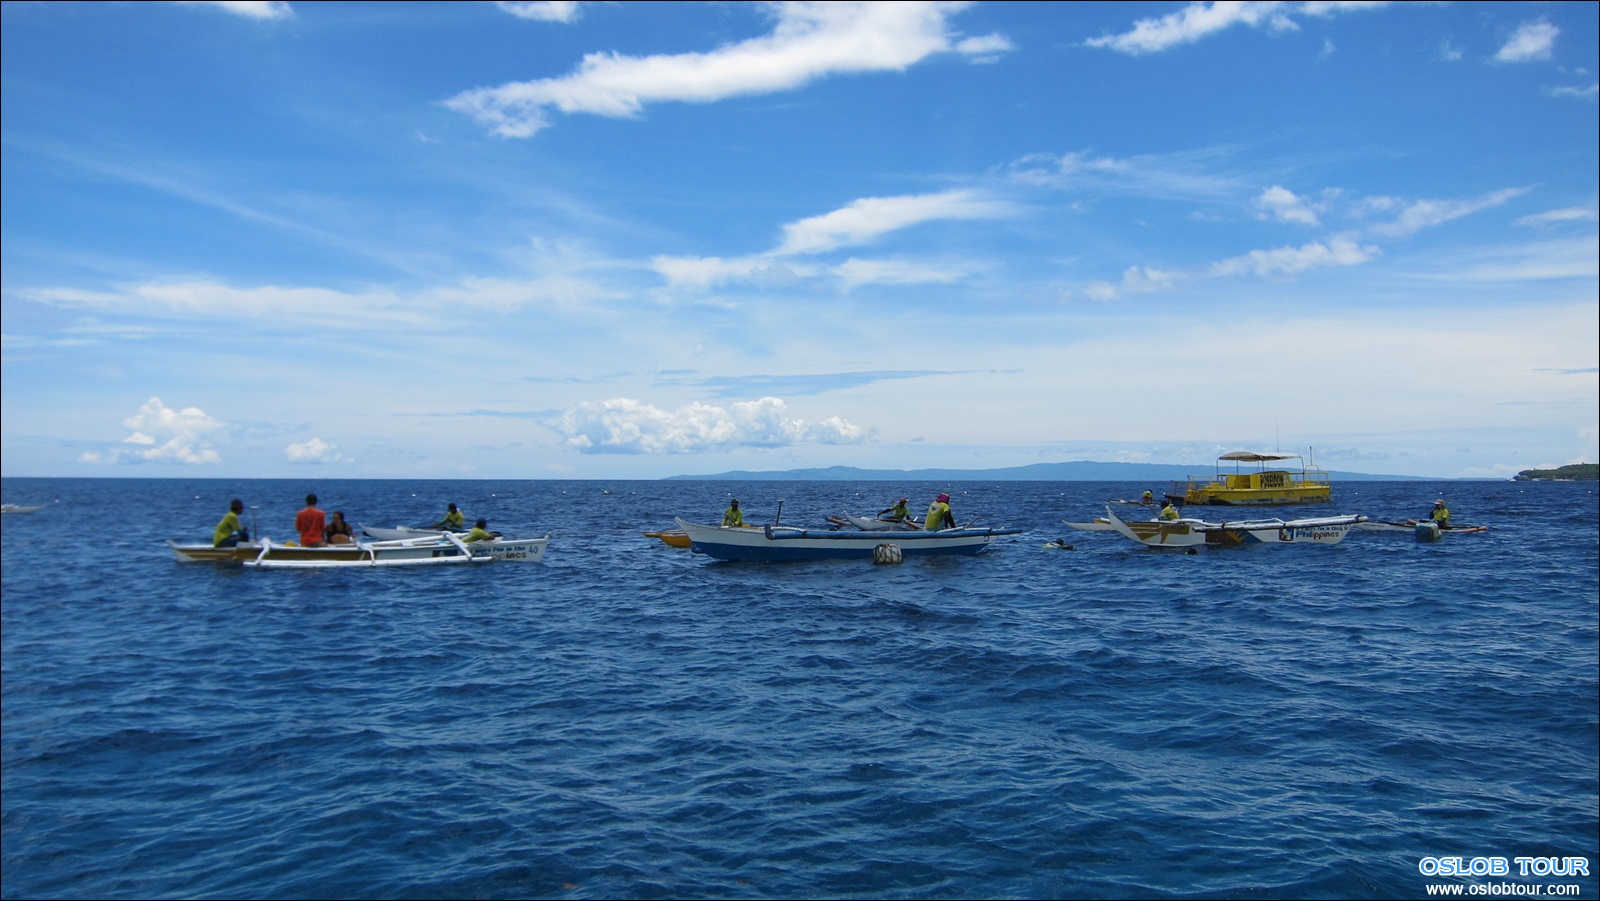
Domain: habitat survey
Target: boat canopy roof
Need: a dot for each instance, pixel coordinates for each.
(1254, 457)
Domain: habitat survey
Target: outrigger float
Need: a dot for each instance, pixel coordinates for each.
(1262, 488)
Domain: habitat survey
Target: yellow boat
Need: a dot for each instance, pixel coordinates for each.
(1277, 487)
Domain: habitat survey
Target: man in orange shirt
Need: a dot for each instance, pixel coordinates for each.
(311, 523)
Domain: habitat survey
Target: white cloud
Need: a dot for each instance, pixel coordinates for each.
(1201, 20)
(871, 217)
(809, 41)
(250, 9)
(542, 10)
(1290, 260)
(315, 451)
(1423, 214)
(853, 273)
(1534, 40)
(1283, 205)
(1588, 93)
(165, 436)
(1568, 214)
(626, 426)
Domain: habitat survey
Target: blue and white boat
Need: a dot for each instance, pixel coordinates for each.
(779, 543)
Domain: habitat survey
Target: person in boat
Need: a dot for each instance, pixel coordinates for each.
(1440, 514)
(1169, 513)
(1148, 498)
(480, 531)
(338, 531)
(229, 532)
(733, 516)
(939, 515)
(310, 523)
(898, 513)
(453, 520)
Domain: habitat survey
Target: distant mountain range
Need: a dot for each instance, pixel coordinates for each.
(1079, 471)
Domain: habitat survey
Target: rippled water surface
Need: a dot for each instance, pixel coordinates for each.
(628, 720)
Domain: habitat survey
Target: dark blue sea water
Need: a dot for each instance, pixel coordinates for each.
(626, 720)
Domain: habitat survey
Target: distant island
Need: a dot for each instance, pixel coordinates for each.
(1079, 471)
(1577, 472)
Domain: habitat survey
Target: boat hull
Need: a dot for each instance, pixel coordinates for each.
(1194, 533)
(775, 544)
(422, 551)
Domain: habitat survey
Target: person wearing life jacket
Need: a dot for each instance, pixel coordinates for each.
(939, 515)
(1440, 514)
(733, 516)
(1169, 513)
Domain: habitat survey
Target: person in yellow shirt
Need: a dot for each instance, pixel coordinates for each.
(453, 520)
(1440, 514)
(1169, 513)
(229, 532)
(480, 531)
(939, 515)
(733, 516)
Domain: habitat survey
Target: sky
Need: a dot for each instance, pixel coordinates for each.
(636, 240)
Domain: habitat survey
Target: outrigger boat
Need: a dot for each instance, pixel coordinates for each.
(435, 550)
(781, 543)
(1190, 533)
(21, 508)
(1262, 488)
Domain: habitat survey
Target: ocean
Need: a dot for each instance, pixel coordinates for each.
(627, 720)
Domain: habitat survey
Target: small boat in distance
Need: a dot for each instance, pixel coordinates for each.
(21, 508)
(1277, 487)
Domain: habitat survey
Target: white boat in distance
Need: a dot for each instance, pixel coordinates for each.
(780, 543)
(433, 550)
(1188, 533)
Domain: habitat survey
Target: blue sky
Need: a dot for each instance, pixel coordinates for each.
(632, 240)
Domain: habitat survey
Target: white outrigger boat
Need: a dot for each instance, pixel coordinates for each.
(781, 543)
(1189, 533)
(21, 508)
(443, 549)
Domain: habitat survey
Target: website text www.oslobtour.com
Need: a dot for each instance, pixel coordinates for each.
(1535, 867)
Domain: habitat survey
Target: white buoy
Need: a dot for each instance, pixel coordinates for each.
(887, 553)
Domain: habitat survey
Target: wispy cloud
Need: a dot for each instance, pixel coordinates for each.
(315, 451)
(1422, 214)
(1588, 93)
(799, 384)
(250, 9)
(164, 435)
(1566, 214)
(865, 220)
(809, 41)
(1172, 176)
(627, 426)
(1532, 41)
(1201, 20)
(542, 10)
(860, 222)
